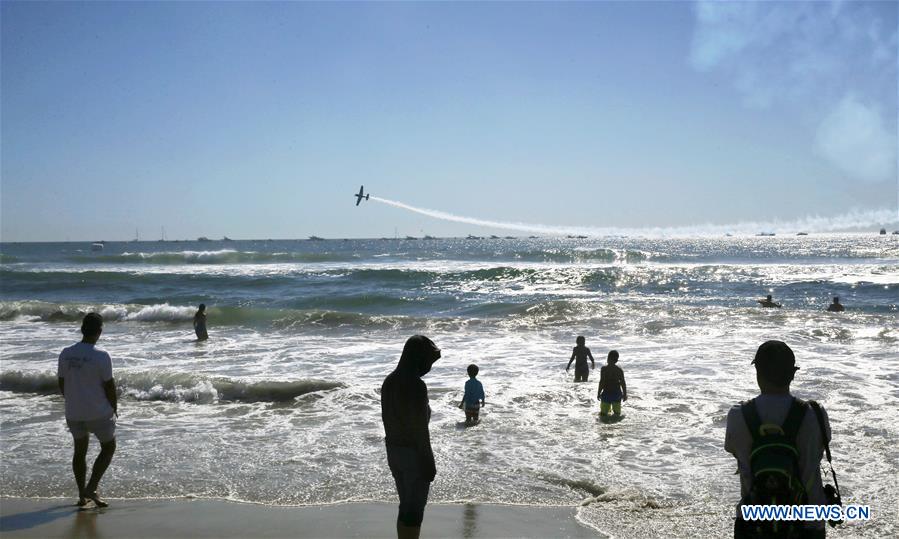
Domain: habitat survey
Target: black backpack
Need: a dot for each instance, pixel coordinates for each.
(774, 464)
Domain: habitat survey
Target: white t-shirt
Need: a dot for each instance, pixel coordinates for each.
(84, 369)
(774, 409)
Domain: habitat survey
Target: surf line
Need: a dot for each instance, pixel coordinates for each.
(852, 219)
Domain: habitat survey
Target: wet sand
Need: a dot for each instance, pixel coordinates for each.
(170, 518)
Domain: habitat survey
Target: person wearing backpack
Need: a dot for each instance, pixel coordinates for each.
(778, 441)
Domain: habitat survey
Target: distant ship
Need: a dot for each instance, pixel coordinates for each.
(896, 232)
(765, 234)
(203, 239)
(429, 237)
(533, 237)
(802, 233)
(883, 232)
(511, 237)
(492, 237)
(411, 238)
(470, 237)
(577, 237)
(226, 238)
(315, 238)
(97, 246)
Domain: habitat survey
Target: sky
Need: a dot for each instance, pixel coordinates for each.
(260, 120)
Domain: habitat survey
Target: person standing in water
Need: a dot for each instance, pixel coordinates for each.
(473, 400)
(836, 306)
(581, 353)
(200, 323)
(405, 413)
(612, 389)
(85, 380)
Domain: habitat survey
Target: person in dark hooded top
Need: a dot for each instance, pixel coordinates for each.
(405, 413)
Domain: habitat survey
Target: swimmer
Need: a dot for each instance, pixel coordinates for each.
(200, 323)
(581, 353)
(612, 389)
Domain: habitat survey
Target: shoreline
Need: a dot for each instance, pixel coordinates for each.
(205, 517)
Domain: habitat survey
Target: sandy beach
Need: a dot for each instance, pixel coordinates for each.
(51, 518)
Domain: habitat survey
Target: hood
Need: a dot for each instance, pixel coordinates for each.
(419, 354)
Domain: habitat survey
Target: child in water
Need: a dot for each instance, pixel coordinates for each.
(473, 399)
(200, 323)
(581, 353)
(612, 389)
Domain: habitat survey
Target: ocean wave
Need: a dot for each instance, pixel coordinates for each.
(222, 256)
(39, 311)
(71, 312)
(176, 387)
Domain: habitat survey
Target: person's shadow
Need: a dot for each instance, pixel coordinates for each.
(23, 521)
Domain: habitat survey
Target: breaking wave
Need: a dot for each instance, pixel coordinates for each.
(176, 387)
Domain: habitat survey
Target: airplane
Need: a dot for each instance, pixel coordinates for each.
(360, 196)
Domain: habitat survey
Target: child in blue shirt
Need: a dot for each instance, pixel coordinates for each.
(474, 397)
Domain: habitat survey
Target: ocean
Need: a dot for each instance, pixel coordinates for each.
(281, 405)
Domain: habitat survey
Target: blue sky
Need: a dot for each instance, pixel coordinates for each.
(259, 120)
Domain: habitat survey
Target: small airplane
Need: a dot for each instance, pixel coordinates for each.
(360, 196)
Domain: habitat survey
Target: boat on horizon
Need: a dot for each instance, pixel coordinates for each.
(411, 238)
(316, 238)
(470, 237)
(203, 239)
(802, 233)
(98, 246)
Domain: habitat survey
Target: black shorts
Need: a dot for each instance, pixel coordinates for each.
(581, 374)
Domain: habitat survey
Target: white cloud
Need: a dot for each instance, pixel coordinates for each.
(854, 138)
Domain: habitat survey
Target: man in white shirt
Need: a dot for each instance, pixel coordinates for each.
(87, 385)
(775, 366)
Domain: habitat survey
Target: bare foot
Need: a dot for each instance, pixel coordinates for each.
(96, 499)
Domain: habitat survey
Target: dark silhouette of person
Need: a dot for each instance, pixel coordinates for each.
(200, 323)
(612, 389)
(768, 302)
(85, 380)
(775, 367)
(836, 306)
(405, 412)
(581, 353)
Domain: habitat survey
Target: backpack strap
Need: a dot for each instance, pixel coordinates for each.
(794, 419)
(819, 415)
(751, 417)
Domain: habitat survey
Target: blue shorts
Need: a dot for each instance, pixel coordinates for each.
(610, 396)
(103, 429)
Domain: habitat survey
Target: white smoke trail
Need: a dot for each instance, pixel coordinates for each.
(847, 221)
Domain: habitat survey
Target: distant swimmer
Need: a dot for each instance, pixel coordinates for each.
(836, 306)
(768, 302)
(200, 323)
(612, 389)
(473, 400)
(581, 353)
